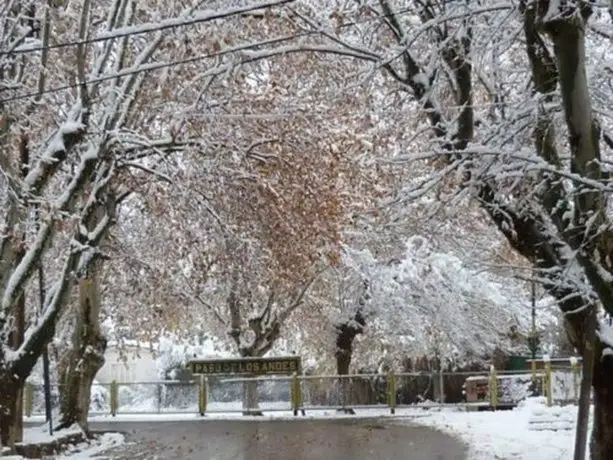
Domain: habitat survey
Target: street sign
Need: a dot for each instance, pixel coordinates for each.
(283, 365)
(556, 363)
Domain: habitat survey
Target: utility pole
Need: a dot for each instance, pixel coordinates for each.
(533, 340)
(46, 378)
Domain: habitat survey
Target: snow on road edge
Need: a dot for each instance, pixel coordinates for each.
(531, 431)
(80, 451)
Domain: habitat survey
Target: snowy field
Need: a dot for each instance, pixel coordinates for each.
(532, 431)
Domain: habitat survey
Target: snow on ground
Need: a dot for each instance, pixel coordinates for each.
(40, 434)
(80, 451)
(86, 451)
(531, 431)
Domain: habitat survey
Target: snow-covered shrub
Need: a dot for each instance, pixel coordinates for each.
(565, 385)
(138, 398)
(178, 396)
(100, 398)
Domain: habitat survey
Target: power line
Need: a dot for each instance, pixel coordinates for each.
(162, 65)
(129, 31)
(151, 67)
(176, 23)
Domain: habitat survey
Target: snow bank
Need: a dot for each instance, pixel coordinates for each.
(92, 449)
(532, 431)
(82, 450)
(40, 434)
(70, 441)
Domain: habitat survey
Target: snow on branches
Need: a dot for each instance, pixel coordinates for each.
(86, 137)
(436, 304)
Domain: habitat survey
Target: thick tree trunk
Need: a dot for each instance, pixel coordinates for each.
(86, 357)
(343, 360)
(17, 399)
(583, 414)
(251, 399)
(346, 334)
(11, 431)
(12, 400)
(601, 444)
(81, 364)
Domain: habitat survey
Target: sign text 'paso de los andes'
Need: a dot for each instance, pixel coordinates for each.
(247, 366)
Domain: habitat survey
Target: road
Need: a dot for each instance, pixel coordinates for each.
(339, 439)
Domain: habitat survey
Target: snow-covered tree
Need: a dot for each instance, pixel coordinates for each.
(438, 305)
(251, 219)
(516, 100)
(72, 152)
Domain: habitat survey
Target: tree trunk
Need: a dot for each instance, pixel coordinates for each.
(251, 400)
(13, 399)
(346, 334)
(601, 444)
(343, 361)
(86, 357)
(584, 403)
(11, 430)
(17, 399)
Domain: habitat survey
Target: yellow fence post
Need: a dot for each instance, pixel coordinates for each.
(28, 399)
(548, 383)
(293, 395)
(299, 396)
(202, 396)
(113, 402)
(391, 392)
(493, 387)
(296, 394)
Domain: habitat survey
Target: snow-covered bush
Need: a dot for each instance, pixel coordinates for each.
(100, 398)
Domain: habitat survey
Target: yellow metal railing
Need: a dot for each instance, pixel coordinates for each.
(493, 387)
(28, 400)
(299, 393)
(202, 394)
(296, 395)
(391, 392)
(114, 403)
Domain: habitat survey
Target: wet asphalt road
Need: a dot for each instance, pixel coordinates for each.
(281, 440)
